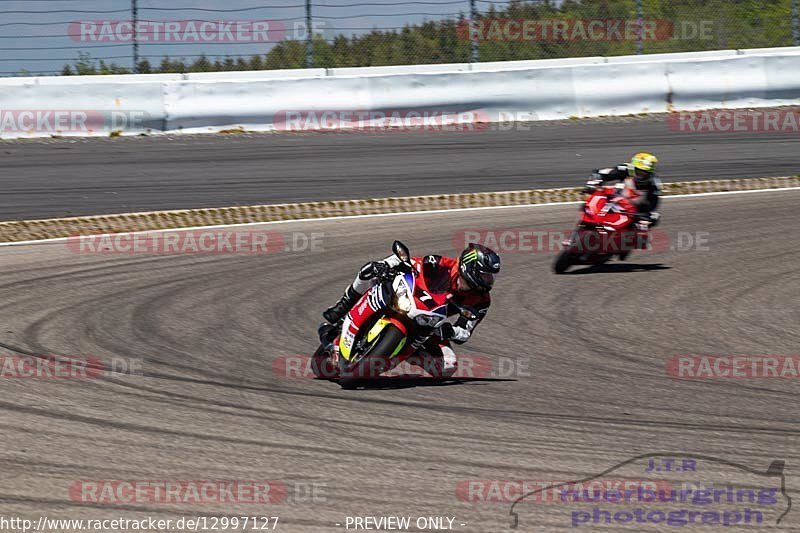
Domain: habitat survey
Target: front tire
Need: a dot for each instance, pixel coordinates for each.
(564, 260)
(376, 359)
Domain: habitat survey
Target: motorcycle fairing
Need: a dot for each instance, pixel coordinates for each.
(379, 326)
(430, 306)
(602, 212)
(364, 312)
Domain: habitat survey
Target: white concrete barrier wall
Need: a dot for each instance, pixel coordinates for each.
(522, 90)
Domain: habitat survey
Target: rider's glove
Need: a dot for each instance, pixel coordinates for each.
(617, 198)
(446, 331)
(592, 185)
(375, 269)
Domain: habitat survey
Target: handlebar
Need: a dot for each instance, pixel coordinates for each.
(388, 274)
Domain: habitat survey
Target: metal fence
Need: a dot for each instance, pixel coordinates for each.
(72, 37)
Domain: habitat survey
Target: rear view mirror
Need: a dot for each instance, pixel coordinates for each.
(401, 251)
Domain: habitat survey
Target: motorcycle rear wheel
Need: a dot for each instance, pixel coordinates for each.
(322, 365)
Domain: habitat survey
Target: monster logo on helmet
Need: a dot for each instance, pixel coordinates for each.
(470, 256)
(478, 266)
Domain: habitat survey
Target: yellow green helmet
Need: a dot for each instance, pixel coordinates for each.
(643, 167)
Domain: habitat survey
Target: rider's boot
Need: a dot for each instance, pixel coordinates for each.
(327, 333)
(337, 311)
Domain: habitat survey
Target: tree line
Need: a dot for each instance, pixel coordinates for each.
(679, 26)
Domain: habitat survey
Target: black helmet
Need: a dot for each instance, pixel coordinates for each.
(478, 265)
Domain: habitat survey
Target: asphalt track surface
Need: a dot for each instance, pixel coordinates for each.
(69, 177)
(588, 390)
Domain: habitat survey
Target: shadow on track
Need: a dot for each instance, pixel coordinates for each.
(619, 268)
(408, 381)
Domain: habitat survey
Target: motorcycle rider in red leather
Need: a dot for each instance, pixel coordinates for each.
(469, 279)
(638, 184)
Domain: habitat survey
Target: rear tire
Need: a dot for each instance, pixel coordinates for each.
(375, 361)
(321, 364)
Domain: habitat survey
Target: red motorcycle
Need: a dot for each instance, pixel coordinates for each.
(608, 227)
(389, 325)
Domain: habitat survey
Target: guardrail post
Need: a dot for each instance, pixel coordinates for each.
(309, 37)
(639, 27)
(473, 31)
(135, 20)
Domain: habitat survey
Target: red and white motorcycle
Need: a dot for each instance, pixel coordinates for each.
(388, 325)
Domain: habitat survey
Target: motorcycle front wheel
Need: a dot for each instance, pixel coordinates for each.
(376, 358)
(564, 260)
